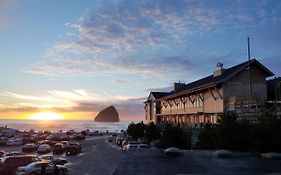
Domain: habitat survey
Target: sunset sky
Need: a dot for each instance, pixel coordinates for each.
(75, 58)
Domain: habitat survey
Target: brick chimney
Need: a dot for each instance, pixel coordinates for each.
(178, 85)
(219, 70)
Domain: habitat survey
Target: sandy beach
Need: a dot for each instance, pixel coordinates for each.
(103, 158)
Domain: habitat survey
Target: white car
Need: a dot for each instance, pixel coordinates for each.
(65, 144)
(129, 141)
(271, 155)
(36, 168)
(135, 146)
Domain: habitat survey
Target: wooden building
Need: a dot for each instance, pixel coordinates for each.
(234, 89)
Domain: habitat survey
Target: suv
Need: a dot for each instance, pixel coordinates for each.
(10, 163)
(73, 148)
(58, 148)
(29, 147)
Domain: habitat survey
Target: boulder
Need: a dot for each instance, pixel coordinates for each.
(108, 114)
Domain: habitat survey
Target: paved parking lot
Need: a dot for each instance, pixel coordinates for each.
(103, 158)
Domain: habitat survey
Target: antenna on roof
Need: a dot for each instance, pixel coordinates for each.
(249, 71)
(249, 49)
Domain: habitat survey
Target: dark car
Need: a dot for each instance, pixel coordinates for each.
(54, 160)
(26, 140)
(48, 142)
(58, 148)
(79, 137)
(2, 153)
(14, 153)
(3, 142)
(73, 148)
(43, 149)
(10, 163)
(29, 147)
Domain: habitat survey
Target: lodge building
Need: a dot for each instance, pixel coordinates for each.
(238, 88)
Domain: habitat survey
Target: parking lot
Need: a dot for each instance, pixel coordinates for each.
(104, 158)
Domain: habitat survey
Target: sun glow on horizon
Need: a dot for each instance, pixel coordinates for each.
(46, 116)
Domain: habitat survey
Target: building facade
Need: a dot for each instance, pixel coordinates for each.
(238, 88)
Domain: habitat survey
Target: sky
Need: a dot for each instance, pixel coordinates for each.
(77, 57)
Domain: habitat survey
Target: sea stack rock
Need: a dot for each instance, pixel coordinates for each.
(108, 114)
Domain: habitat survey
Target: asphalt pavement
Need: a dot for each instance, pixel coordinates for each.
(100, 157)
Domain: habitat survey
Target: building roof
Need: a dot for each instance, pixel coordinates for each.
(158, 95)
(210, 80)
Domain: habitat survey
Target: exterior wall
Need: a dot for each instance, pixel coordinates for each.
(147, 112)
(211, 104)
(150, 109)
(183, 105)
(236, 90)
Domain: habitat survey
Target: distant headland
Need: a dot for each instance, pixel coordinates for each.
(108, 114)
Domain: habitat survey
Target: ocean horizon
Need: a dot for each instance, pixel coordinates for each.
(65, 125)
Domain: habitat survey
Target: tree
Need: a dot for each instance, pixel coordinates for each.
(207, 138)
(172, 136)
(136, 130)
(152, 132)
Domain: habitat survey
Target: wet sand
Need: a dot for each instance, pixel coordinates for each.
(103, 158)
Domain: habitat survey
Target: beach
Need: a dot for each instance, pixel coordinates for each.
(105, 158)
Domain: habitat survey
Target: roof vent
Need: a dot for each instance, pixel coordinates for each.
(219, 70)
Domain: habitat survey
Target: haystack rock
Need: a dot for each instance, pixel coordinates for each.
(108, 114)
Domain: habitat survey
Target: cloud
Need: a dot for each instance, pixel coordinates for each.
(120, 82)
(148, 38)
(78, 100)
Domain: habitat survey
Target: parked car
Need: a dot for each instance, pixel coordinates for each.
(119, 141)
(271, 155)
(173, 151)
(135, 146)
(29, 147)
(79, 137)
(129, 141)
(94, 133)
(73, 148)
(65, 144)
(14, 153)
(54, 160)
(36, 168)
(2, 153)
(26, 140)
(44, 148)
(110, 139)
(10, 163)
(48, 142)
(14, 142)
(3, 141)
(58, 148)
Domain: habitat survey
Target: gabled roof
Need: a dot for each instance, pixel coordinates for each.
(158, 95)
(210, 80)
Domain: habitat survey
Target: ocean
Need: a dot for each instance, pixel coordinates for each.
(65, 125)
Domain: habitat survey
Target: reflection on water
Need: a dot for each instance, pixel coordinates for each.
(56, 125)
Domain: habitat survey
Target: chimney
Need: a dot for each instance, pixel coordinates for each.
(178, 85)
(219, 70)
